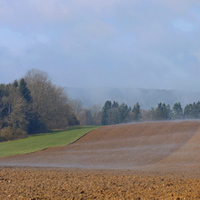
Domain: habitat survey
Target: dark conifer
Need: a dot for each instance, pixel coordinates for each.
(24, 90)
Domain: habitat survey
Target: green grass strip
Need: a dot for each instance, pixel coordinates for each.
(41, 141)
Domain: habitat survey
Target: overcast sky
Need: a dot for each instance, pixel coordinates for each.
(96, 43)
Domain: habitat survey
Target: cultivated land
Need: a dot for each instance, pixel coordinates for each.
(42, 141)
(157, 160)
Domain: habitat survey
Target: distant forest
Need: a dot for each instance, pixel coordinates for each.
(34, 105)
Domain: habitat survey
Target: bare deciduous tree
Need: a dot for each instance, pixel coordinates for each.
(50, 104)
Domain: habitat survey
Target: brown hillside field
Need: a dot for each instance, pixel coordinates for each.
(158, 160)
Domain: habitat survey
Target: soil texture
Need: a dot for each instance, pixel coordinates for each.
(49, 183)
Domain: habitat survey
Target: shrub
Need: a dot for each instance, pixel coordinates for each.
(9, 133)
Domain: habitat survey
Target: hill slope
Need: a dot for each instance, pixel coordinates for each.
(152, 146)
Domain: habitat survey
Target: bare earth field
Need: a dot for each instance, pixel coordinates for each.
(157, 160)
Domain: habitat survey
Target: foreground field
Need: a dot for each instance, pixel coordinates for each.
(42, 141)
(50, 183)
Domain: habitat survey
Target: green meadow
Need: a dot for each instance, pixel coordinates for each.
(41, 141)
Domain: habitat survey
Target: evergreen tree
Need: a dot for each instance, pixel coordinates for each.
(196, 110)
(115, 104)
(177, 111)
(24, 90)
(124, 112)
(137, 112)
(188, 111)
(163, 112)
(192, 111)
(16, 83)
(107, 106)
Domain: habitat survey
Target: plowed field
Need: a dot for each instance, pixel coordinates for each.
(145, 160)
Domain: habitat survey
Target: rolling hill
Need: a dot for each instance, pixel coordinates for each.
(156, 146)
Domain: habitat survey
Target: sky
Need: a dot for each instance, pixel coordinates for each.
(151, 44)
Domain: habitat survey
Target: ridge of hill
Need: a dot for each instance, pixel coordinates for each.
(146, 97)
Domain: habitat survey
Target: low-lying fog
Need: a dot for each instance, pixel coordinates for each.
(147, 98)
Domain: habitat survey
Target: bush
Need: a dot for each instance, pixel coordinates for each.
(9, 133)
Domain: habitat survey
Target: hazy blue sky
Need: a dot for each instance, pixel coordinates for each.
(114, 43)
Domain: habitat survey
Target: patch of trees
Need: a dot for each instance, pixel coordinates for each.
(113, 113)
(31, 105)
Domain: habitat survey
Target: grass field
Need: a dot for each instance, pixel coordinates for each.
(43, 140)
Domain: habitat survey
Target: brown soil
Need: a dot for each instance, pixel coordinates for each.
(57, 183)
(157, 160)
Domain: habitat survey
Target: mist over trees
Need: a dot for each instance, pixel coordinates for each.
(147, 98)
(32, 105)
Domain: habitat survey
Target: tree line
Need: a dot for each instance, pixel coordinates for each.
(177, 112)
(32, 105)
(115, 113)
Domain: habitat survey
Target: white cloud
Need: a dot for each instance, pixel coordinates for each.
(98, 39)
